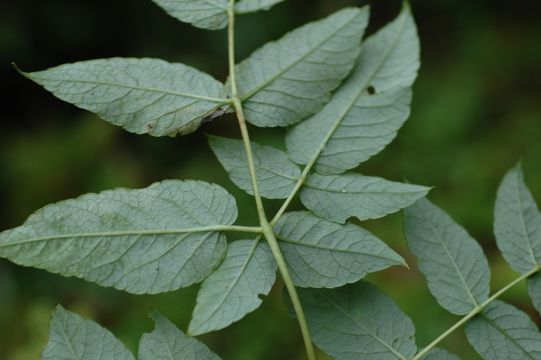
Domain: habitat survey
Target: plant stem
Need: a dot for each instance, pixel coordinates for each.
(474, 312)
(265, 226)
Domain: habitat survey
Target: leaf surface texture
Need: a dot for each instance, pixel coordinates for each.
(517, 223)
(73, 338)
(502, 332)
(339, 197)
(233, 290)
(289, 79)
(276, 173)
(321, 253)
(358, 322)
(453, 262)
(141, 95)
(151, 240)
(167, 342)
(365, 114)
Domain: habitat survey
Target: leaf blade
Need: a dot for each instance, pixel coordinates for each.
(291, 78)
(517, 223)
(246, 6)
(141, 95)
(167, 342)
(440, 354)
(358, 322)
(133, 240)
(74, 338)
(453, 262)
(534, 290)
(233, 290)
(276, 173)
(355, 124)
(204, 14)
(339, 197)
(502, 332)
(320, 253)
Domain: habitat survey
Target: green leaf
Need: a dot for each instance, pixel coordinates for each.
(517, 223)
(502, 332)
(358, 322)
(167, 342)
(338, 197)
(357, 124)
(204, 14)
(152, 240)
(440, 354)
(246, 6)
(534, 290)
(141, 95)
(321, 253)
(276, 174)
(233, 290)
(74, 338)
(452, 261)
(287, 80)
(210, 14)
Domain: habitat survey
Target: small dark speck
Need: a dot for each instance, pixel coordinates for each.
(371, 90)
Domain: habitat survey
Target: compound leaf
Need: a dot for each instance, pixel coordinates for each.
(365, 114)
(233, 290)
(338, 197)
(276, 173)
(246, 6)
(141, 95)
(74, 338)
(440, 354)
(358, 322)
(502, 332)
(517, 223)
(452, 261)
(321, 253)
(151, 240)
(287, 80)
(204, 14)
(167, 342)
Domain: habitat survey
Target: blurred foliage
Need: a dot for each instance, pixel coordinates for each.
(476, 111)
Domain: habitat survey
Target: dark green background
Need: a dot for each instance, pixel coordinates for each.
(476, 112)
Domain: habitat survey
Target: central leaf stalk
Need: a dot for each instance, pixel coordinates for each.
(266, 227)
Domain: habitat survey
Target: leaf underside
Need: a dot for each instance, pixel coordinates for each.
(517, 223)
(338, 197)
(276, 174)
(321, 253)
(73, 338)
(233, 290)
(358, 322)
(287, 80)
(139, 241)
(204, 14)
(440, 354)
(144, 96)
(502, 332)
(453, 262)
(210, 14)
(167, 342)
(365, 114)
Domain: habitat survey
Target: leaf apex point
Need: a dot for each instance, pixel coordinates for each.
(406, 6)
(18, 69)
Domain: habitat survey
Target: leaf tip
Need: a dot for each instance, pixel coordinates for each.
(406, 7)
(18, 69)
